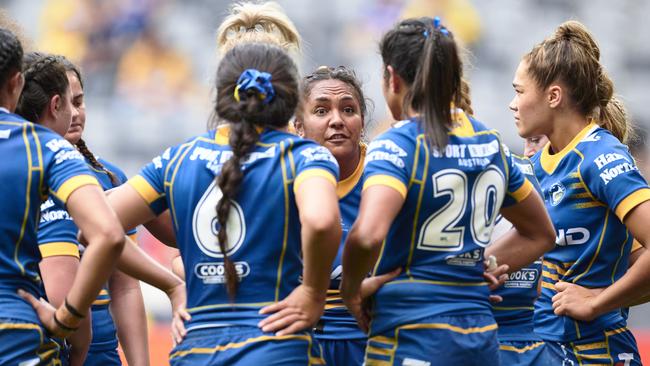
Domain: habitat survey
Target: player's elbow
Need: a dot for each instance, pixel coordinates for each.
(366, 235)
(321, 222)
(546, 236)
(111, 236)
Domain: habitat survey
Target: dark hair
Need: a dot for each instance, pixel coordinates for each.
(81, 144)
(571, 56)
(11, 55)
(45, 77)
(341, 73)
(427, 59)
(245, 116)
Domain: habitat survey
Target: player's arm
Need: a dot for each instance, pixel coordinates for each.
(320, 236)
(127, 308)
(532, 236)
(105, 238)
(58, 273)
(380, 204)
(162, 228)
(580, 303)
(177, 264)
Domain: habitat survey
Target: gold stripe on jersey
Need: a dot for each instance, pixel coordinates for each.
(450, 327)
(440, 283)
(636, 246)
(28, 190)
(386, 180)
(39, 152)
(550, 162)
(144, 189)
(462, 127)
(508, 308)
(228, 305)
(621, 253)
(522, 192)
(631, 201)
(285, 231)
(616, 331)
(234, 345)
(59, 248)
(181, 156)
(600, 245)
(590, 346)
(72, 184)
(420, 141)
(311, 173)
(346, 185)
(531, 347)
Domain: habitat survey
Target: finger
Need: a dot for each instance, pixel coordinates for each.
(276, 316)
(273, 307)
(557, 297)
(294, 328)
(489, 277)
(495, 299)
(560, 310)
(281, 323)
(34, 302)
(184, 314)
(561, 286)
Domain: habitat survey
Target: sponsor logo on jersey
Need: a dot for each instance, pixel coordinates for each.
(215, 272)
(57, 144)
(523, 278)
(572, 236)
(467, 259)
(556, 193)
(64, 155)
(4, 134)
(55, 215)
(318, 153)
(608, 175)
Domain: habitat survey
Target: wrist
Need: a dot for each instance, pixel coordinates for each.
(65, 321)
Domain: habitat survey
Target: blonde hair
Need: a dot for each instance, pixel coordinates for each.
(571, 56)
(7, 22)
(262, 23)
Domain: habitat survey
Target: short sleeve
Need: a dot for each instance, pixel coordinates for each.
(614, 179)
(389, 161)
(57, 233)
(518, 186)
(65, 167)
(150, 182)
(312, 160)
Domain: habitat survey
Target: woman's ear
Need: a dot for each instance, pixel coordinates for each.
(299, 126)
(554, 96)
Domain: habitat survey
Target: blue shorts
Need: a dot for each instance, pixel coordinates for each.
(441, 340)
(245, 346)
(524, 353)
(103, 348)
(343, 352)
(24, 343)
(611, 347)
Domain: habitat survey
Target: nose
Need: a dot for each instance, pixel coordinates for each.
(513, 104)
(336, 121)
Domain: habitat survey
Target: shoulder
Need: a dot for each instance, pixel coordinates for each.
(600, 150)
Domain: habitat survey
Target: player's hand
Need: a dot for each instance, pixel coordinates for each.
(496, 277)
(358, 304)
(178, 325)
(298, 311)
(45, 312)
(575, 301)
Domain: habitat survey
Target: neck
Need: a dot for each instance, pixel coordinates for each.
(565, 128)
(348, 163)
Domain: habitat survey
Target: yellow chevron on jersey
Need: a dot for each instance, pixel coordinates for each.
(452, 200)
(588, 189)
(263, 229)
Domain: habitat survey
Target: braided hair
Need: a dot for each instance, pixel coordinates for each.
(246, 112)
(11, 55)
(81, 144)
(45, 77)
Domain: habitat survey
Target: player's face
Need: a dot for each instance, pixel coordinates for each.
(534, 144)
(529, 107)
(79, 120)
(332, 117)
(64, 114)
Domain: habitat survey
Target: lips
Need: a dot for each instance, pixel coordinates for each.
(337, 137)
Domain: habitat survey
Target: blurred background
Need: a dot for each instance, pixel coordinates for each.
(149, 68)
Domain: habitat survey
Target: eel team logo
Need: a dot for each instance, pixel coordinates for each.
(556, 193)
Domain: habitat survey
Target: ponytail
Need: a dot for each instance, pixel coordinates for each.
(437, 85)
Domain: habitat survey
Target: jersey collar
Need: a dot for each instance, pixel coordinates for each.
(550, 162)
(346, 185)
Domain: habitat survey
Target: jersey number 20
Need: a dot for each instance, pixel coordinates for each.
(206, 227)
(443, 230)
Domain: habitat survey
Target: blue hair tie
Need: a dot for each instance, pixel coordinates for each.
(437, 24)
(258, 81)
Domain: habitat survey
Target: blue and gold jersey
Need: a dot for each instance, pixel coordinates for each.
(514, 314)
(264, 227)
(452, 199)
(337, 322)
(57, 233)
(588, 188)
(38, 162)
